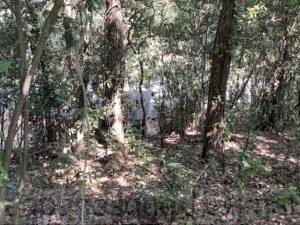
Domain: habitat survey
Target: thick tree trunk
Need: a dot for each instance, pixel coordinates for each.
(25, 87)
(114, 80)
(221, 58)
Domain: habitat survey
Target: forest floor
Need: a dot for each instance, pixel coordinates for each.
(171, 185)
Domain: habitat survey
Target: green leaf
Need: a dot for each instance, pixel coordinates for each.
(189, 222)
(3, 176)
(4, 66)
(9, 203)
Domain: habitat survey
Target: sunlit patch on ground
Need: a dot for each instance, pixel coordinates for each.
(117, 189)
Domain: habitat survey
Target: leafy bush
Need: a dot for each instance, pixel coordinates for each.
(134, 143)
(285, 198)
(3, 176)
(249, 167)
(175, 189)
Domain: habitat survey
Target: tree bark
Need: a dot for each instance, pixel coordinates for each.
(2, 126)
(24, 89)
(221, 58)
(144, 116)
(24, 159)
(114, 79)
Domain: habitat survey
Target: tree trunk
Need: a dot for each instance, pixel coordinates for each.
(299, 103)
(240, 93)
(221, 58)
(162, 114)
(114, 79)
(24, 89)
(274, 91)
(2, 115)
(24, 159)
(144, 115)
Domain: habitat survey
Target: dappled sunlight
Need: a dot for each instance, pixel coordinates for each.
(191, 132)
(265, 139)
(173, 138)
(121, 186)
(232, 146)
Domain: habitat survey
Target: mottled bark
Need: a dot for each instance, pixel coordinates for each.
(221, 58)
(114, 79)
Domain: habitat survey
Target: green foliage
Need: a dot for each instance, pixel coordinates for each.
(213, 169)
(175, 189)
(111, 142)
(63, 160)
(285, 198)
(134, 143)
(4, 66)
(3, 176)
(249, 167)
(136, 146)
(296, 135)
(255, 10)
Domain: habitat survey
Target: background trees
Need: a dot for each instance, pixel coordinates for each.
(214, 68)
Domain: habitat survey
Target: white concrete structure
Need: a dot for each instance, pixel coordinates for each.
(133, 110)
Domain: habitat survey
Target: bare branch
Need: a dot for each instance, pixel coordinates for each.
(10, 6)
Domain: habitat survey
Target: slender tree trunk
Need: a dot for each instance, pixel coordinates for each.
(274, 91)
(182, 115)
(144, 115)
(24, 89)
(299, 103)
(162, 115)
(2, 125)
(23, 177)
(79, 69)
(221, 58)
(114, 80)
(240, 93)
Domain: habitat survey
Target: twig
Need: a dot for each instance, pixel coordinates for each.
(10, 6)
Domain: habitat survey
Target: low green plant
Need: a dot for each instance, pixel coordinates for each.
(286, 197)
(175, 189)
(213, 169)
(249, 167)
(111, 141)
(133, 136)
(3, 172)
(3, 176)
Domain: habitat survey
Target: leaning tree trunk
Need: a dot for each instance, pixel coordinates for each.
(114, 80)
(277, 90)
(221, 58)
(273, 93)
(25, 87)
